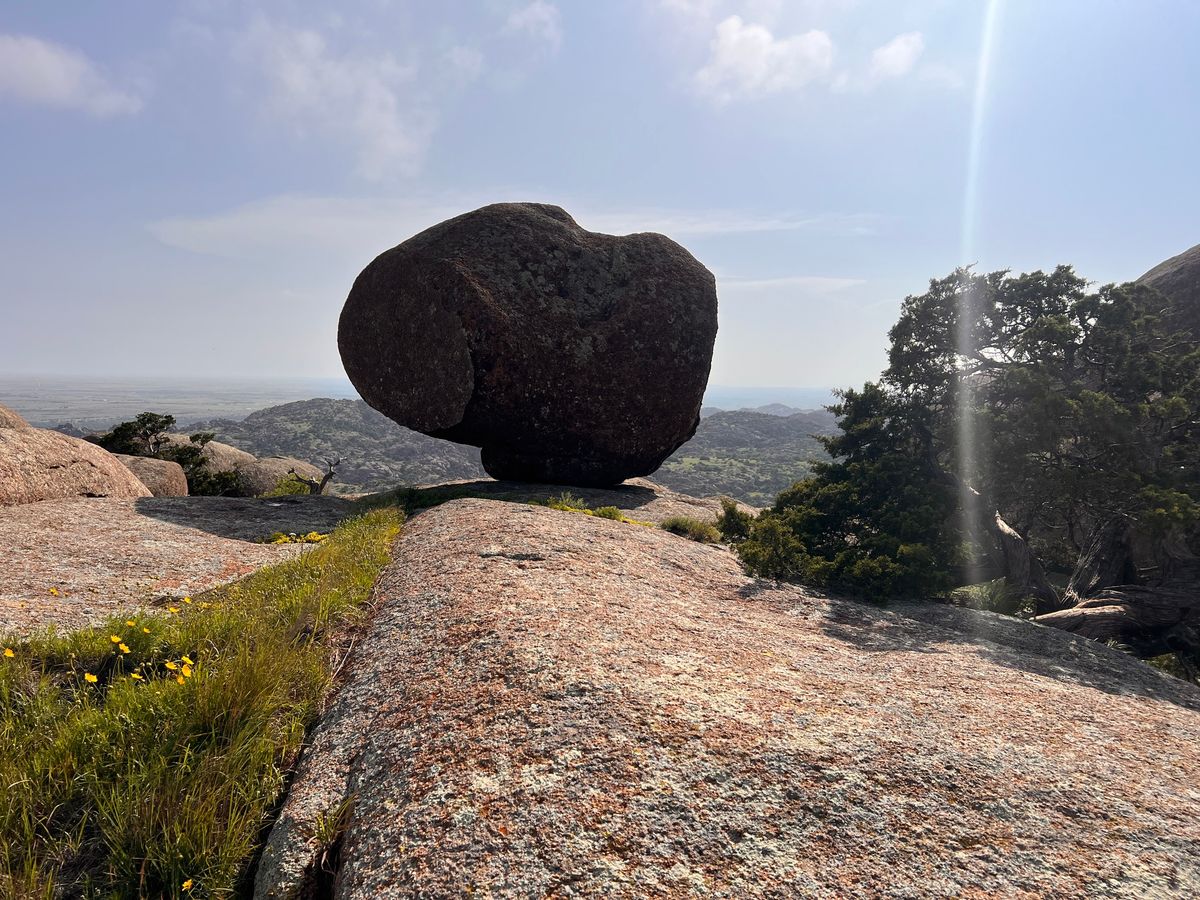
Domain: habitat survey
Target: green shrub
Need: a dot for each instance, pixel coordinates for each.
(694, 529)
(567, 502)
(608, 512)
(734, 522)
(992, 596)
(147, 754)
(288, 486)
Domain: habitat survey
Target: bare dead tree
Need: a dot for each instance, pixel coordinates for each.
(314, 486)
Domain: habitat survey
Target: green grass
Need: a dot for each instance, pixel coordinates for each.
(694, 529)
(132, 787)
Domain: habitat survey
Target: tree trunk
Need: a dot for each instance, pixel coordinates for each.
(1106, 560)
(1148, 620)
(1009, 551)
(1022, 570)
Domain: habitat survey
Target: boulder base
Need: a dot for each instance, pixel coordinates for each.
(567, 356)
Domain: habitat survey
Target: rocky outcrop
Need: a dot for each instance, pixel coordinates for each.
(567, 356)
(549, 704)
(1178, 279)
(36, 464)
(9, 419)
(264, 475)
(163, 477)
(108, 557)
(218, 457)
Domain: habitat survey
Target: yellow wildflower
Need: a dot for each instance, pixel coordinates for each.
(8, 652)
(90, 678)
(187, 671)
(130, 622)
(145, 631)
(187, 885)
(135, 676)
(187, 599)
(173, 609)
(179, 678)
(123, 648)
(114, 638)
(170, 665)
(54, 591)
(187, 660)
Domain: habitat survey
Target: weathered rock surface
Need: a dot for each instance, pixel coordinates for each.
(637, 498)
(548, 704)
(163, 477)
(10, 419)
(107, 556)
(263, 475)
(567, 356)
(36, 464)
(218, 457)
(1178, 278)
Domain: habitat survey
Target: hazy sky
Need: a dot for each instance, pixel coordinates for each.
(191, 188)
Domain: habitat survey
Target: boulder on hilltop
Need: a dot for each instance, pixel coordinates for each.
(567, 356)
(1178, 279)
(551, 704)
(163, 477)
(10, 419)
(36, 464)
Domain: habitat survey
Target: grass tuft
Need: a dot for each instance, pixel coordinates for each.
(146, 754)
(694, 529)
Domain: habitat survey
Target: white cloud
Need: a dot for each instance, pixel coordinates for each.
(466, 62)
(897, 57)
(540, 20)
(355, 229)
(40, 73)
(369, 100)
(749, 61)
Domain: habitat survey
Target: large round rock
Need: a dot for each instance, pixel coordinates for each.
(36, 464)
(1178, 279)
(567, 356)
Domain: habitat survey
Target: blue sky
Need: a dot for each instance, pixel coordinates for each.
(191, 188)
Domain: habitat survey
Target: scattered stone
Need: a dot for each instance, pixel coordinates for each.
(36, 464)
(9, 419)
(567, 356)
(163, 477)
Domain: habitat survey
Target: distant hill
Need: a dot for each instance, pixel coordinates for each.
(377, 453)
(749, 455)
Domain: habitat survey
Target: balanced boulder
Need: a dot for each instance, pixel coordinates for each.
(36, 464)
(163, 477)
(567, 356)
(9, 419)
(1178, 279)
